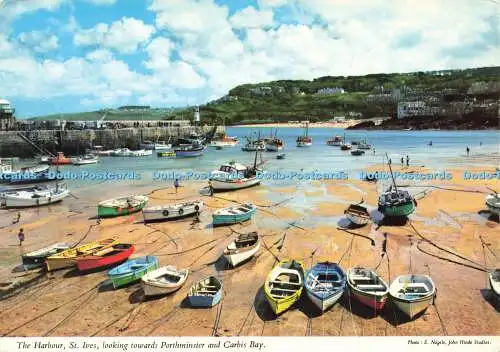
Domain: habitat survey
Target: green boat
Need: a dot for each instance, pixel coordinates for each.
(121, 206)
(132, 270)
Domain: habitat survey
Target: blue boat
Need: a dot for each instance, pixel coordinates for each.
(233, 215)
(132, 270)
(325, 283)
(190, 151)
(205, 293)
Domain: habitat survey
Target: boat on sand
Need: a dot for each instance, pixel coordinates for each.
(121, 206)
(412, 294)
(242, 248)
(205, 293)
(106, 257)
(325, 283)
(164, 280)
(284, 285)
(367, 287)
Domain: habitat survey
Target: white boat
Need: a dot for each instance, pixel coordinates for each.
(336, 141)
(242, 248)
(172, 211)
(252, 146)
(37, 258)
(140, 152)
(325, 284)
(44, 159)
(412, 294)
(148, 145)
(493, 203)
(120, 152)
(305, 140)
(23, 199)
(223, 142)
(233, 176)
(161, 145)
(164, 280)
(85, 160)
(275, 145)
(357, 214)
(364, 145)
(495, 283)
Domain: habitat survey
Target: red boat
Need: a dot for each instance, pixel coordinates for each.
(367, 287)
(107, 257)
(60, 159)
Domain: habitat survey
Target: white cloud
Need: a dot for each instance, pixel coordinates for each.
(100, 55)
(39, 41)
(271, 3)
(249, 17)
(102, 2)
(124, 35)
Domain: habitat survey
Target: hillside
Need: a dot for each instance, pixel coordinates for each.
(113, 115)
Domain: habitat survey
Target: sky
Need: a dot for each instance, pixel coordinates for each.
(61, 56)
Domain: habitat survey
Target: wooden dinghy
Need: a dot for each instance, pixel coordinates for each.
(121, 206)
(325, 283)
(367, 287)
(205, 293)
(164, 280)
(105, 257)
(37, 258)
(172, 211)
(242, 248)
(284, 285)
(233, 215)
(412, 294)
(132, 270)
(357, 214)
(67, 258)
(495, 283)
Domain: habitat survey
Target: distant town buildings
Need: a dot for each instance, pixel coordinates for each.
(416, 108)
(330, 91)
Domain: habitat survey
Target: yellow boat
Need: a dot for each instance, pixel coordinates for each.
(68, 257)
(284, 285)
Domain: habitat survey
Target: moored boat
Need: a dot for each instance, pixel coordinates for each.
(189, 151)
(304, 140)
(344, 146)
(162, 145)
(494, 278)
(364, 145)
(284, 285)
(281, 156)
(336, 141)
(166, 154)
(85, 160)
(233, 215)
(493, 203)
(164, 280)
(205, 293)
(140, 152)
(34, 174)
(367, 287)
(132, 270)
(357, 152)
(275, 145)
(357, 214)
(325, 283)
(233, 176)
(412, 294)
(37, 258)
(242, 248)
(172, 211)
(223, 141)
(60, 159)
(35, 198)
(121, 206)
(106, 257)
(68, 257)
(252, 146)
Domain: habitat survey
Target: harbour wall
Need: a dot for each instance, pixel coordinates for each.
(74, 142)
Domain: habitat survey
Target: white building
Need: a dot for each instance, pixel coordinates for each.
(329, 91)
(415, 108)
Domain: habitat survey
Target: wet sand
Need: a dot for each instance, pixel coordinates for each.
(300, 223)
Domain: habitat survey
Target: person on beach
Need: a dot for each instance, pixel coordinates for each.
(210, 188)
(390, 162)
(402, 161)
(20, 236)
(176, 184)
(407, 161)
(467, 150)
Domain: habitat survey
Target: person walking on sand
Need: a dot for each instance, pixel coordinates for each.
(176, 184)
(402, 161)
(407, 161)
(20, 236)
(467, 150)
(210, 188)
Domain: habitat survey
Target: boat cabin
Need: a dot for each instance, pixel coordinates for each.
(395, 198)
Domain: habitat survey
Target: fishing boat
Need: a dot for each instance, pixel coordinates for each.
(140, 152)
(147, 145)
(60, 159)
(164, 280)
(233, 215)
(205, 293)
(120, 152)
(336, 141)
(493, 203)
(162, 145)
(367, 287)
(165, 154)
(242, 248)
(252, 146)
(172, 211)
(33, 174)
(35, 198)
(357, 214)
(357, 152)
(304, 140)
(223, 141)
(281, 156)
(68, 257)
(189, 151)
(275, 145)
(106, 257)
(132, 270)
(494, 279)
(85, 160)
(364, 145)
(325, 283)
(233, 176)
(121, 206)
(344, 146)
(37, 258)
(284, 285)
(412, 294)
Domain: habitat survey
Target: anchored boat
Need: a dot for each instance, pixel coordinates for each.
(336, 141)
(357, 152)
(304, 140)
(106, 257)
(223, 141)
(357, 214)
(164, 280)
(274, 144)
(85, 160)
(367, 287)
(60, 159)
(242, 248)
(121, 206)
(132, 270)
(412, 294)
(494, 279)
(34, 198)
(205, 293)
(165, 154)
(284, 285)
(233, 176)
(493, 203)
(172, 211)
(325, 283)
(190, 151)
(253, 146)
(37, 258)
(233, 215)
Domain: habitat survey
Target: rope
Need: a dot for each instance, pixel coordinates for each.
(84, 236)
(450, 260)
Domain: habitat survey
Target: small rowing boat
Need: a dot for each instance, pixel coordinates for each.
(190, 151)
(325, 283)
(67, 258)
(284, 285)
(233, 176)
(85, 160)
(35, 197)
(412, 294)
(357, 152)
(105, 257)
(233, 215)
(357, 214)
(37, 258)
(494, 279)
(242, 248)
(172, 211)
(281, 156)
(121, 206)
(132, 270)
(367, 287)
(205, 293)
(164, 280)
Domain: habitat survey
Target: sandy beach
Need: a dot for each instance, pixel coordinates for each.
(450, 216)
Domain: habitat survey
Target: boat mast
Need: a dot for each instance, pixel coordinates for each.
(392, 176)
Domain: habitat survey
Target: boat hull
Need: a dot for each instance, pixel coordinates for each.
(238, 258)
(412, 308)
(164, 214)
(32, 261)
(493, 205)
(372, 301)
(93, 263)
(108, 212)
(274, 148)
(14, 202)
(399, 210)
(231, 185)
(125, 279)
(231, 219)
(153, 290)
(324, 304)
(205, 301)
